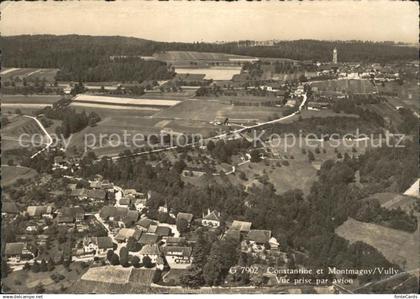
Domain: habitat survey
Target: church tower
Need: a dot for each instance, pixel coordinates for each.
(335, 59)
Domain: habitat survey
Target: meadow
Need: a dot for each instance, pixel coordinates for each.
(212, 73)
(397, 246)
(10, 174)
(122, 101)
(349, 85)
(29, 74)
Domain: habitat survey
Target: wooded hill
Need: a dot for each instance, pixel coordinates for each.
(87, 58)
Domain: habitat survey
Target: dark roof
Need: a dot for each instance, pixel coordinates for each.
(150, 249)
(126, 233)
(125, 200)
(174, 240)
(65, 219)
(177, 250)
(163, 231)
(104, 242)
(96, 193)
(73, 211)
(130, 218)
(259, 235)
(148, 239)
(145, 222)
(78, 192)
(116, 212)
(14, 248)
(186, 216)
(9, 207)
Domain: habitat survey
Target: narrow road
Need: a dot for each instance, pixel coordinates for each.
(50, 140)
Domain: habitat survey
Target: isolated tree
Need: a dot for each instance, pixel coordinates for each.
(4, 268)
(311, 156)
(124, 256)
(43, 267)
(109, 254)
(115, 260)
(147, 262)
(35, 267)
(51, 264)
(210, 146)
(135, 262)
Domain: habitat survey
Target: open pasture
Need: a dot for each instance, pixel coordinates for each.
(397, 246)
(29, 74)
(123, 101)
(348, 85)
(211, 110)
(212, 73)
(29, 99)
(10, 174)
(179, 56)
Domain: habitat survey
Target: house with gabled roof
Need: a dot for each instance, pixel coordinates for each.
(148, 239)
(150, 250)
(130, 219)
(79, 193)
(125, 233)
(175, 241)
(96, 194)
(242, 226)
(97, 245)
(113, 213)
(163, 231)
(145, 223)
(212, 219)
(178, 257)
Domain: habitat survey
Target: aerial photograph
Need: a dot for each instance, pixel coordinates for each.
(209, 147)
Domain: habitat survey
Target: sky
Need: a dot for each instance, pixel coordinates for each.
(217, 21)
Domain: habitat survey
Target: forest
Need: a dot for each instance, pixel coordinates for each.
(84, 57)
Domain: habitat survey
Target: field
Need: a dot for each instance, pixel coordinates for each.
(13, 131)
(397, 246)
(349, 85)
(186, 56)
(106, 100)
(29, 99)
(29, 74)
(26, 281)
(299, 174)
(110, 274)
(113, 129)
(109, 110)
(211, 110)
(405, 95)
(394, 201)
(212, 73)
(28, 104)
(10, 174)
